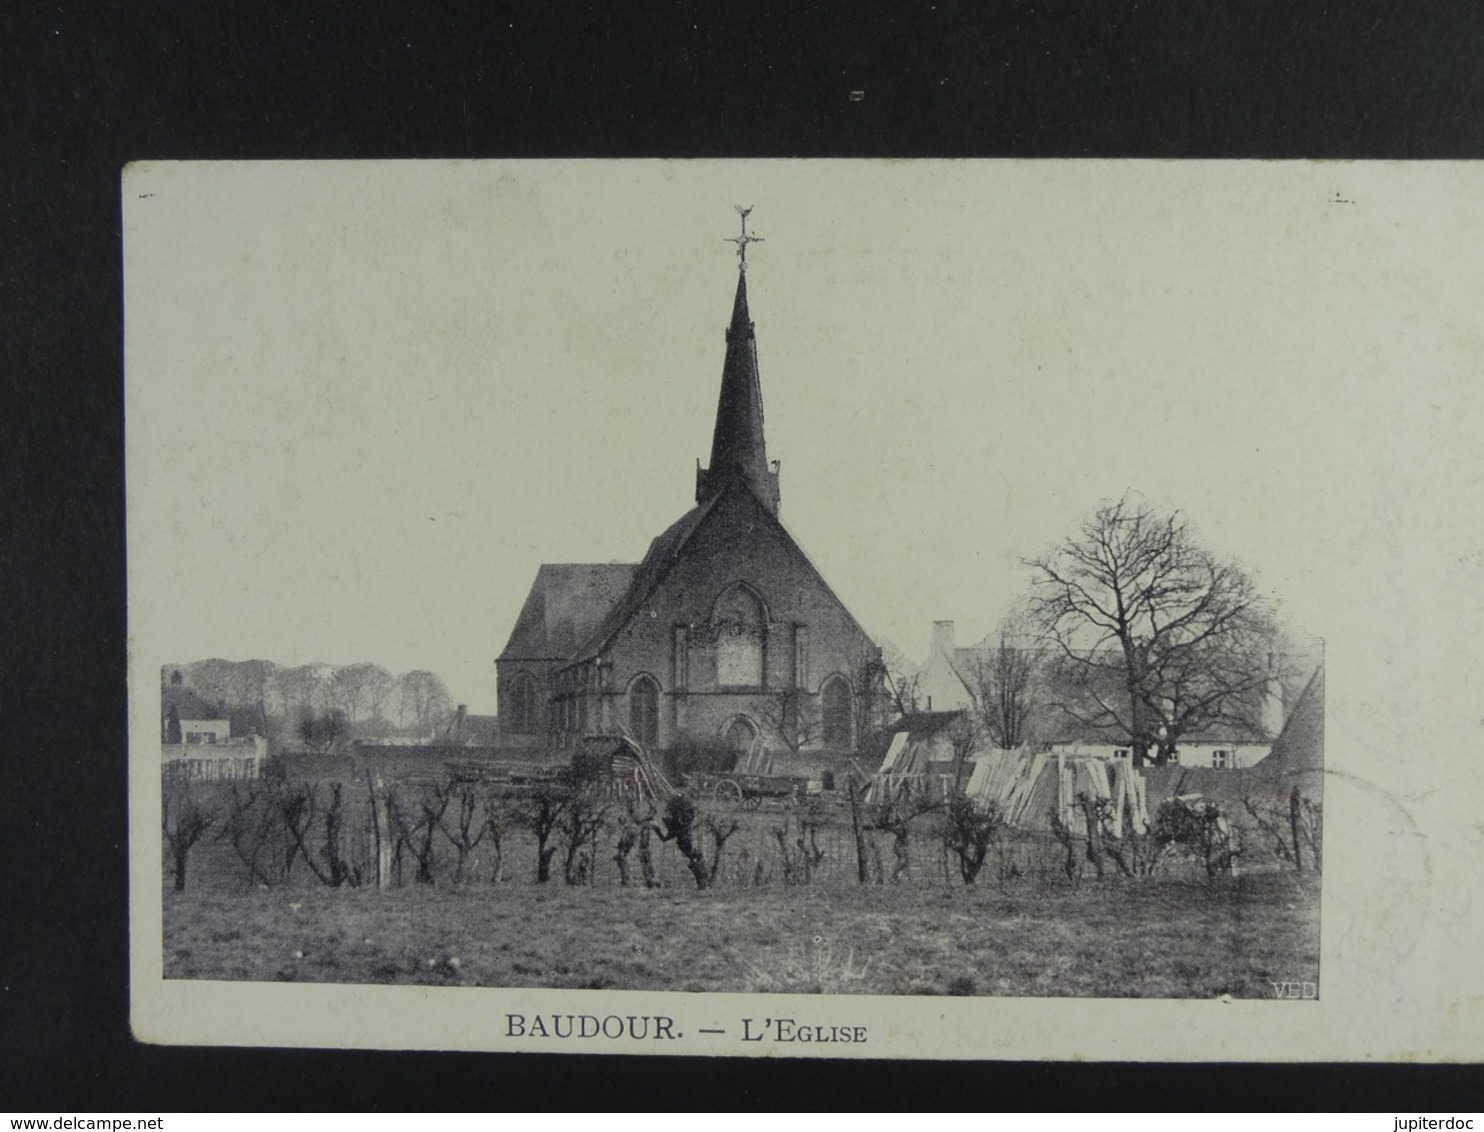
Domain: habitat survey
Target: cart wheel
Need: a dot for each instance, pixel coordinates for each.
(728, 791)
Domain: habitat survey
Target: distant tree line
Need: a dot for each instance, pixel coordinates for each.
(320, 706)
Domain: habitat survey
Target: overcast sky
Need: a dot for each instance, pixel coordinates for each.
(367, 401)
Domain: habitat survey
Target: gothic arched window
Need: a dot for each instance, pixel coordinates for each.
(644, 711)
(525, 714)
(737, 625)
(836, 713)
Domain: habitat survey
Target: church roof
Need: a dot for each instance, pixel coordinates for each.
(664, 552)
(567, 602)
(738, 446)
(574, 611)
(737, 440)
(669, 547)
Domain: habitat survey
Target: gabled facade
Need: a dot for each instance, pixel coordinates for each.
(724, 633)
(187, 718)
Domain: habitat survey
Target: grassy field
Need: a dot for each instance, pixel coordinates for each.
(1155, 937)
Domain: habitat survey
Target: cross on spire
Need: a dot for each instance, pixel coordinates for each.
(743, 240)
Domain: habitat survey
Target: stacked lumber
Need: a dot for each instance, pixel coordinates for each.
(1028, 787)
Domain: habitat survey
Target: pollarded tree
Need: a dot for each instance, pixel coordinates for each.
(1159, 636)
(969, 827)
(184, 819)
(465, 820)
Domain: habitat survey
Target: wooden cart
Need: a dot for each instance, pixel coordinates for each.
(748, 790)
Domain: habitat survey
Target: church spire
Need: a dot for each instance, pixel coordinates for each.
(737, 445)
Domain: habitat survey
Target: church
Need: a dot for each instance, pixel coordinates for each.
(724, 634)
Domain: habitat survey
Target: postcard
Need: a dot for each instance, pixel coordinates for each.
(929, 609)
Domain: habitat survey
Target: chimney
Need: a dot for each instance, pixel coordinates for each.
(943, 639)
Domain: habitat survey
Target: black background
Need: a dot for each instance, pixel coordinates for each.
(86, 88)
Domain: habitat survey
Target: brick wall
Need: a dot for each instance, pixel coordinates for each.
(670, 638)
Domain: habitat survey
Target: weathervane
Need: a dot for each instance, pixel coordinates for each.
(743, 240)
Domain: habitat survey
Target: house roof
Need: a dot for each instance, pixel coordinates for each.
(188, 704)
(1069, 730)
(1300, 745)
(248, 719)
(566, 604)
(1065, 727)
(467, 730)
(926, 724)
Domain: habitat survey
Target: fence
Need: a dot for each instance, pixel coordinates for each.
(482, 832)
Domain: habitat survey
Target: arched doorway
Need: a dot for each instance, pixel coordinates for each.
(741, 736)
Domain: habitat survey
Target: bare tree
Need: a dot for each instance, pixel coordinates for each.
(341, 867)
(900, 680)
(377, 687)
(497, 820)
(464, 833)
(301, 689)
(1290, 826)
(969, 827)
(581, 821)
(634, 825)
(963, 740)
(871, 692)
(415, 825)
(857, 785)
(894, 814)
(539, 812)
(1200, 828)
(1159, 637)
(324, 732)
(684, 824)
(680, 827)
(185, 817)
(793, 716)
(798, 842)
(234, 683)
(213, 680)
(1004, 683)
(361, 692)
(424, 703)
(253, 830)
(298, 805)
